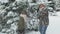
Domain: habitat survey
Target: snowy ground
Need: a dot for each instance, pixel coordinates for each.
(54, 24)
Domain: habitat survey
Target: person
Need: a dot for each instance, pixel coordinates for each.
(43, 17)
(21, 24)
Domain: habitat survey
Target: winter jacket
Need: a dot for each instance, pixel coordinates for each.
(21, 24)
(43, 17)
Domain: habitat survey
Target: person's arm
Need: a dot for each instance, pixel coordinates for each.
(39, 14)
(46, 12)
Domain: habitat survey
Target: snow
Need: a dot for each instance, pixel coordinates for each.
(4, 1)
(53, 28)
(9, 21)
(58, 13)
(11, 14)
(2, 33)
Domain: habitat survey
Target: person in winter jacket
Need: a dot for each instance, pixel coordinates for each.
(43, 17)
(21, 24)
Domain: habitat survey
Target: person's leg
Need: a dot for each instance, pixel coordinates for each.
(40, 29)
(43, 29)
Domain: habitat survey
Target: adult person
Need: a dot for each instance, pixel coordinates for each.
(43, 17)
(22, 24)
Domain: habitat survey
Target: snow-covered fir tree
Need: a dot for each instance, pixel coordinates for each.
(9, 15)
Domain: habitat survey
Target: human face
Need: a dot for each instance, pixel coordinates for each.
(42, 7)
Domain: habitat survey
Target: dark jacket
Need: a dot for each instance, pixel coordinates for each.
(43, 17)
(21, 24)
